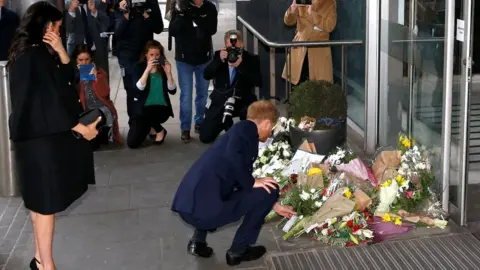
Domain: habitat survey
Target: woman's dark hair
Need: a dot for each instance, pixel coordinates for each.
(32, 27)
(153, 44)
(84, 48)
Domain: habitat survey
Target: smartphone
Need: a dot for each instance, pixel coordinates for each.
(85, 71)
(304, 2)
(161, 60)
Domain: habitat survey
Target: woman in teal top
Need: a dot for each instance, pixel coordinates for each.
(151, 108)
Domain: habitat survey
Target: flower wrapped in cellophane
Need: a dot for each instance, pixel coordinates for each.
(349, 230)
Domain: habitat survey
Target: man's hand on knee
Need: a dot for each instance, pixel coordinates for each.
(266, 183)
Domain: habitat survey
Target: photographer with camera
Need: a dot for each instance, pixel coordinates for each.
(84, 23)
(136, 23)
(193, 24)
(236, 73)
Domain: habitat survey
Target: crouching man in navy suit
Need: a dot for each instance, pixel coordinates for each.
(219, 188)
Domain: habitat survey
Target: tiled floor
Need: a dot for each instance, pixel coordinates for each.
(124, 221)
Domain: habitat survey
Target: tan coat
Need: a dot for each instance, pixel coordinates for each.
(323, 17)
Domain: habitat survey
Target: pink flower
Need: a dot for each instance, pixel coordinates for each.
(409, 194)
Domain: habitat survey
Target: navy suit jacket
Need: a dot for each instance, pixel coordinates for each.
(226, 167)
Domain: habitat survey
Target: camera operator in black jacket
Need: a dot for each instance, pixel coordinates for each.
(193, 24)
(236, 73)
(135, 25)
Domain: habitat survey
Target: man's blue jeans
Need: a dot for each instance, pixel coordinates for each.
(185, 81)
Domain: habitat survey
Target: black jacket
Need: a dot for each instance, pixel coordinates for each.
(44, 98)
(140, 96)
(193, 44)
(8, 24)
(247, 77)
(132, 34)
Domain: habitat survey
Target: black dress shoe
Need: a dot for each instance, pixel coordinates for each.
(33, 264)
(200, 249)
(250, 254)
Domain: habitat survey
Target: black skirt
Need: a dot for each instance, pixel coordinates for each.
(54, 171)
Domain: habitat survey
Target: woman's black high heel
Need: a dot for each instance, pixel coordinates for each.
(163, 139)
(33, 264)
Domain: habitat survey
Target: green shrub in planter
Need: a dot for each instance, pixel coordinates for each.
(318, 99)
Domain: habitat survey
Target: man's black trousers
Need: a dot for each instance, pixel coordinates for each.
(213, 124)
(253, 206)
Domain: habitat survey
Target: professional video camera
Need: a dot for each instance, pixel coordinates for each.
(233, 51)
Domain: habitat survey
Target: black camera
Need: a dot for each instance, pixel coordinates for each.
(233, 52)
(135, 7)
(183, 6)
(228, 111)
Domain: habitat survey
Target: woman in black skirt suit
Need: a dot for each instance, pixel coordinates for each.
(54, 158)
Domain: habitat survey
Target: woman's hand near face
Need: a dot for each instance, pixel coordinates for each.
(54, 41)
(151, 65)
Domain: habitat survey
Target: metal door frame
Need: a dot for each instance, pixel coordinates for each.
(459, 212)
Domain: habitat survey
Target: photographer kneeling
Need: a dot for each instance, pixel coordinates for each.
(236, 73)
(136, 23)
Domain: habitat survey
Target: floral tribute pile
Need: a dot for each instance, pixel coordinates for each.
(340, 201)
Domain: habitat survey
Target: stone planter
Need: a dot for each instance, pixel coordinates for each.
(324, 140)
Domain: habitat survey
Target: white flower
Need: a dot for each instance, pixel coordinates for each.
(272, 147)
(257, 172)
(264, 159)
(305, 195)
(318, 204)
(440, 223)
(286, 153)
(367, 233)
(325, 232)
(345, 218)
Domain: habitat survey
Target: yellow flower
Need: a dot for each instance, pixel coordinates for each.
(400, 180)
(387, 183)
(314, 171)
(406, 143)
(347, 193)
(398, 221)
(387, 217)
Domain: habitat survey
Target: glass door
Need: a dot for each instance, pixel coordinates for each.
(465, 132)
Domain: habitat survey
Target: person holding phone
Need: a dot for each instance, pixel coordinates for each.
(315, 20)
(133, 29)
(84, 23)
(54, 160)
(94, 92)
(151, 103)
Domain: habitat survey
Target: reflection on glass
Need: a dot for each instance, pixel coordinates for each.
(411, 73)
(351, 26)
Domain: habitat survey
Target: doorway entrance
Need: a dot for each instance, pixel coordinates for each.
(465, 133)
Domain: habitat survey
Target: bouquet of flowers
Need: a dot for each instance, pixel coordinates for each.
(272, 159)
(307, 123)
(351, 230)
(340, 156)
(306, 201)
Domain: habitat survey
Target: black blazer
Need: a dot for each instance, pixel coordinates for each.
(8, 24)
(140, 96)
(247, 75)
(206, 188)
(44, 99)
